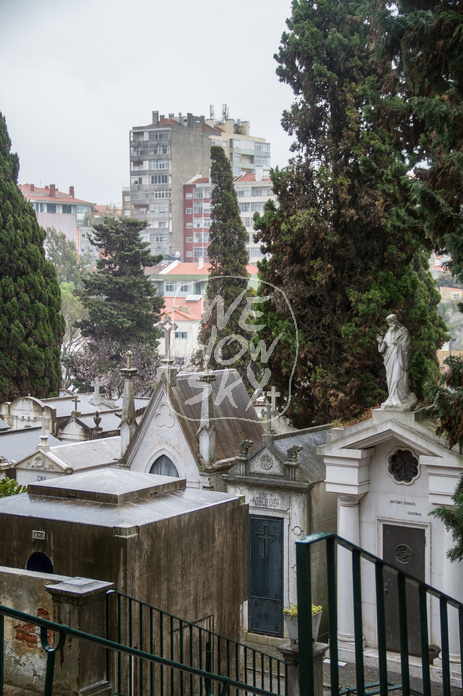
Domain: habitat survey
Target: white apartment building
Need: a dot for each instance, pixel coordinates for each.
(253, 191)
(171, 151)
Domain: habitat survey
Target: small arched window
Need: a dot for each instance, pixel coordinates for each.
(164, 467)
(40, 563)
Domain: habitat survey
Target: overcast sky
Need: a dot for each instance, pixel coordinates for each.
(75, 77)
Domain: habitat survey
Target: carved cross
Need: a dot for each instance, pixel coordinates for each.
(168, 326)
(267, 539)
(76, 399)
(273, 394)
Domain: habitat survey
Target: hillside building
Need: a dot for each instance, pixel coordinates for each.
(169, 152)
(253, 190)
(62, 211)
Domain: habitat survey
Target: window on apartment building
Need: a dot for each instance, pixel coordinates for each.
(199, 237)
(198, 193)
(198, 223)
(189, 211)
(51, 207)
(247, 221)
(189, 254)
(138, 151)
(81, 209)
(244, 207)
(262, 161)
(160, 193)
(258, 192)
(189, 196)
(257, 207)
(198, 209)
(207, 193)
(237, 157)
(206, 222)
(180, 334)
(169, 286)
(67, 209)
(159, 208)
(157, 238)
(160, 179)
(159, 164)
(189, 240)
(162, 223)
(189, 225)
(200, 252)
(160, 135)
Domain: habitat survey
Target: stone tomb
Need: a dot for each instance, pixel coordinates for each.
(388, 474)
(181, 550)
(283, 481)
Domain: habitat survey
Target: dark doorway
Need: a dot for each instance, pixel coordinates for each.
(266, 575)
(403, 547)
(40, 563)
(164, 467)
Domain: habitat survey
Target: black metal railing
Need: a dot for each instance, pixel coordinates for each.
(359, 557)
(199, 680)
(139, 625)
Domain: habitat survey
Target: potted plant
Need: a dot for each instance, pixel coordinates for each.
(290, 618)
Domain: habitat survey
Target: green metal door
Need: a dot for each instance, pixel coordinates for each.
(266, 575)
(403, 547)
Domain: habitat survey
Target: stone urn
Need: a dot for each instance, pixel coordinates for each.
(290, 619)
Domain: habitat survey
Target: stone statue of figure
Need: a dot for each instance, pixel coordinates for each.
(395, 349)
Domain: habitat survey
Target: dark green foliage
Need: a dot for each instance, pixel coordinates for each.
(10, 487)
(453, 521)
(446, 397)
(62, 252)
(31, 327)
(122, 303)
(421, 42)
(123, 309)
(228, 277)
(346, 243)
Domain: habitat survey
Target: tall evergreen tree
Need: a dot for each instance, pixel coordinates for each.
(31, 327)
(122, 303)
(227, 288)
(422, 107)
(345, 241)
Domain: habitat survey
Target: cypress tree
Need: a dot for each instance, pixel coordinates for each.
(422, 107)
(31, 326)
(228, 278)
(122, 303)
(345, 241)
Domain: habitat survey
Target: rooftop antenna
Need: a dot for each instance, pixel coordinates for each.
(211, 112)
(224, 112)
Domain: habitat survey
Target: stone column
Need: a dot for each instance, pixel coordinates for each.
(290, 652)
(349, 529)
(80, 668)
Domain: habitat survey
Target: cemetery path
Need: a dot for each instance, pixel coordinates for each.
(347, 679)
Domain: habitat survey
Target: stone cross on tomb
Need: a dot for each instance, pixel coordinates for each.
(272, 396)
(168, 326)
(76, 400)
